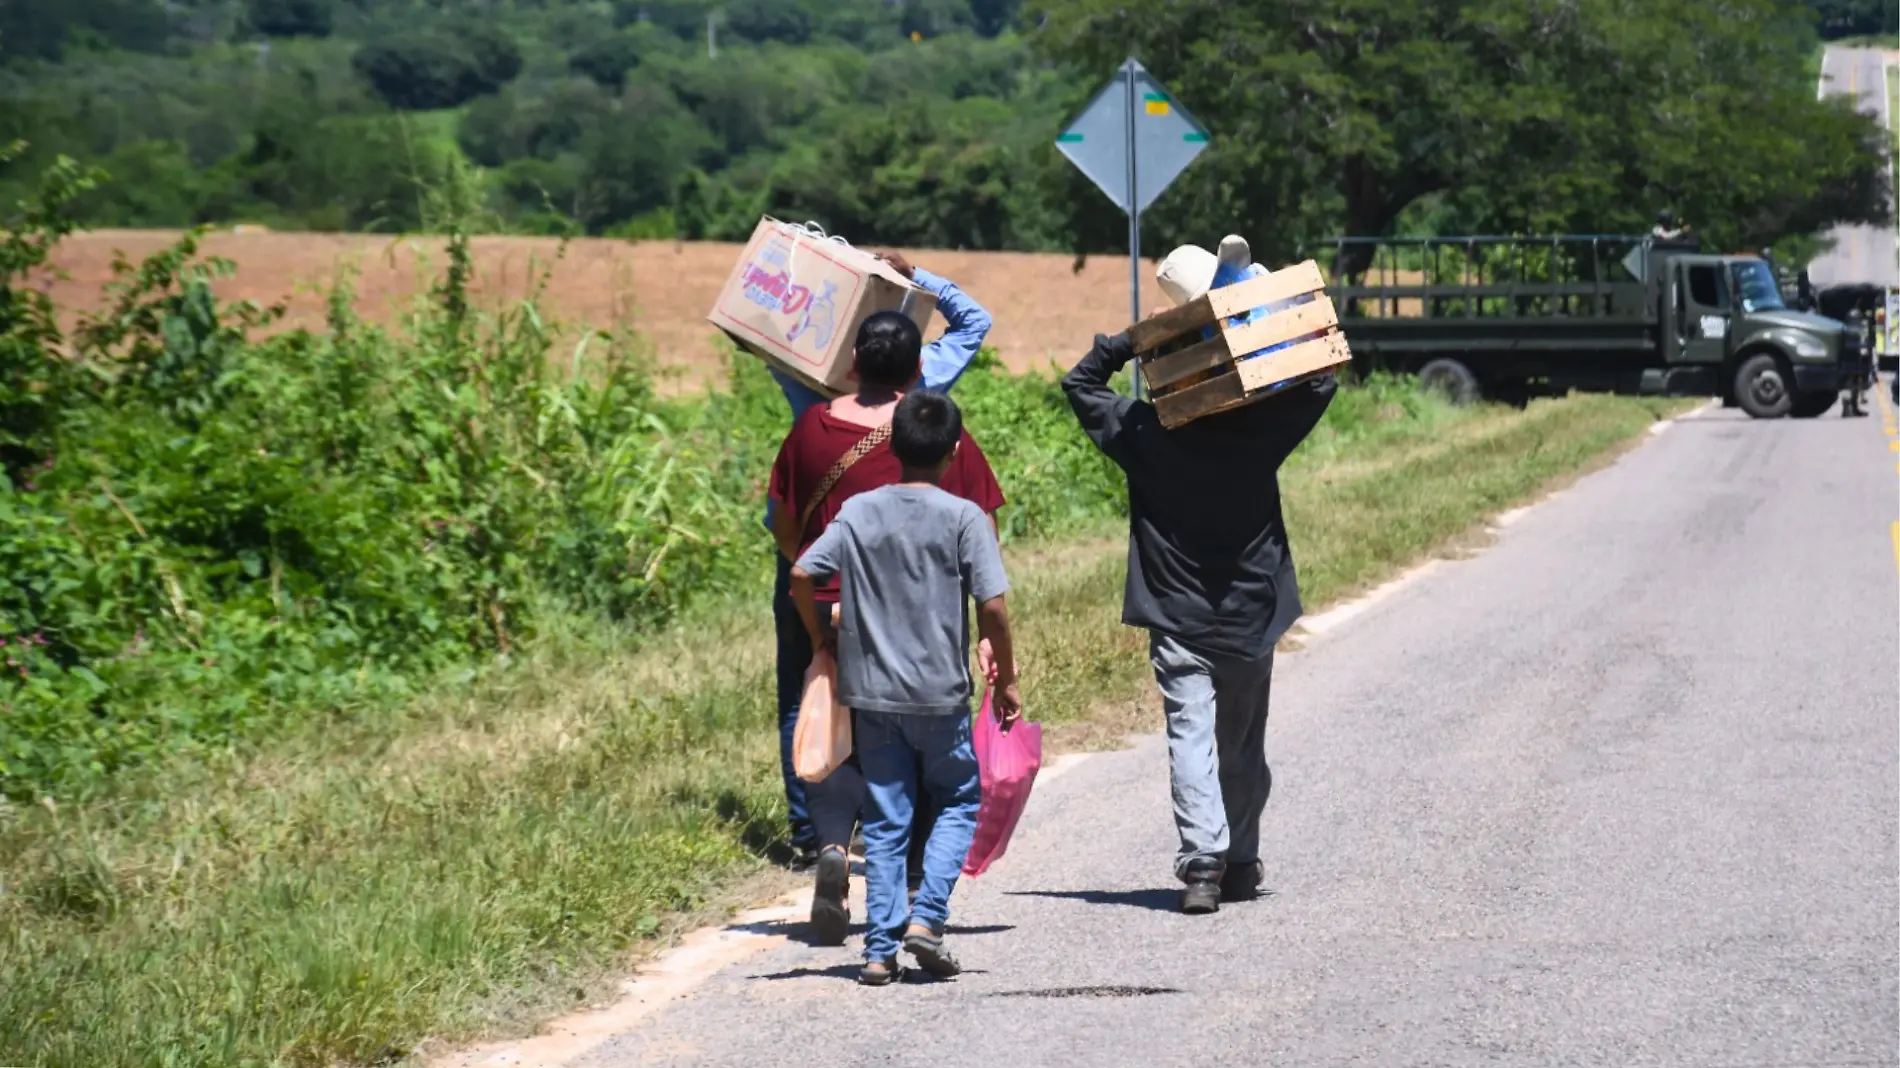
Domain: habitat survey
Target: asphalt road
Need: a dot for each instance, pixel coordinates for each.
(1861, 253)
(1619, 791)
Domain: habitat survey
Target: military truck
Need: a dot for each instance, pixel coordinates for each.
(1513, 317)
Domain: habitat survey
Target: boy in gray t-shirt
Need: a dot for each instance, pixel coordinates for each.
(909, 558)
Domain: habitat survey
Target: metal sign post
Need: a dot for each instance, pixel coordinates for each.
(1134, 216)
(1133, 140)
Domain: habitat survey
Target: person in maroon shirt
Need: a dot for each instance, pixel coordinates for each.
(887, 362)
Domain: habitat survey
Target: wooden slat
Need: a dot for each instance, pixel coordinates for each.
(1273, 286)
(1185, 405)
(1302, 359)
(1148, 334)
(1163, 371)
(1297, 321)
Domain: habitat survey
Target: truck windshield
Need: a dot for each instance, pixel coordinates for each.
(1755, 284)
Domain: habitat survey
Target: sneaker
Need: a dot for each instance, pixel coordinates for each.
(880, 972)
(1241, 882)
(830, 917)
(927, 946)
(1202, 893)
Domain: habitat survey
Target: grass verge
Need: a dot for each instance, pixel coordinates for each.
(484, 860)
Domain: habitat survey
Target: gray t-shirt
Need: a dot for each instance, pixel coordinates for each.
(909, 559)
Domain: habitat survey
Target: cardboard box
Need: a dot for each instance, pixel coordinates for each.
(797, 298)
(1191, 374)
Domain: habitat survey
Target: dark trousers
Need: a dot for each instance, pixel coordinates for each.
(822, 813)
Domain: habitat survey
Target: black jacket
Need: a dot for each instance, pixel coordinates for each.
(1208, 562)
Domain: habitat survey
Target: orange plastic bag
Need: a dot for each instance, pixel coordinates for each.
(821, 740)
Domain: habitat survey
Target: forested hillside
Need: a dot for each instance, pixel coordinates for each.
(930, 122)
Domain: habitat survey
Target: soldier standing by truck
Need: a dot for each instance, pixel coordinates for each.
(1859, 377)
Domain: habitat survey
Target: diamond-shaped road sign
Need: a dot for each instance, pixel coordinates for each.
(1166, 136)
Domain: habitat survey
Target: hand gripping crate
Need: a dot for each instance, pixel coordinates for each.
(1190, 375)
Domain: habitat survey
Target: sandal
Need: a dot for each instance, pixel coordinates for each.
(880, 972)
(927, 946)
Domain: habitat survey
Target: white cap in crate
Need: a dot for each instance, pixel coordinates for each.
(1186, 273)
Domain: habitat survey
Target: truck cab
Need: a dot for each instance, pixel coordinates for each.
(1726, 313)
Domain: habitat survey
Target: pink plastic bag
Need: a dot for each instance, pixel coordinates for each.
(1008, 762)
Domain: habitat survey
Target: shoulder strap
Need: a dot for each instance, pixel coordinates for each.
(852, 455)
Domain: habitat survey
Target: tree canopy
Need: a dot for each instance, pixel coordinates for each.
(1371, 116)
(931, 122)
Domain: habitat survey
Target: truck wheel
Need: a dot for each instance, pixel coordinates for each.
(1451, 378)
(1813, 405)
(1762, 387)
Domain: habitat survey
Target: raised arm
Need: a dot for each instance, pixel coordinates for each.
(946, 358)
(1105, 415)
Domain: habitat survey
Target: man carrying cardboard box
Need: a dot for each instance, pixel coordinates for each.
(1210, 577)
(944, 361)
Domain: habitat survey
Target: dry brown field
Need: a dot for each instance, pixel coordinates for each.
(1045, 311)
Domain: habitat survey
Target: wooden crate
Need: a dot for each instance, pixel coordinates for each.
(1189, 377)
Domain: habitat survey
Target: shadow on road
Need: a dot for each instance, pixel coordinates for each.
(978, 928)
(836, 971)
(850, 972)
(1155, 900)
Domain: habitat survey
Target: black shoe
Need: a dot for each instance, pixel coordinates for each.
(1241, 882)
(927, 947)
(1202, 894)
(830, 917)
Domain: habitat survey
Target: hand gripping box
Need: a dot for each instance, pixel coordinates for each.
(797, 297)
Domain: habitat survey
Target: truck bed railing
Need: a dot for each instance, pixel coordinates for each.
(1487, 276)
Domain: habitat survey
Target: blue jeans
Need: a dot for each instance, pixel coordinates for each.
(900, 753)
(1217, 749)
(821, 813)
(794, 656)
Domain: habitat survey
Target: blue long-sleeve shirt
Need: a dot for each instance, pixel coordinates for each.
(944, 360)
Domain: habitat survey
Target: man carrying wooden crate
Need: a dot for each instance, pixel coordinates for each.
(1211, 578)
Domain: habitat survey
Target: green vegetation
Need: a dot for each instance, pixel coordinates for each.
(311, 883)
(929, 123)
(216, 534)
(1371, 117)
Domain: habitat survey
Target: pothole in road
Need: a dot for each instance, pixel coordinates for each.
(1089, 992)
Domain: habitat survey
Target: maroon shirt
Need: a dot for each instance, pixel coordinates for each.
(817, 441)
